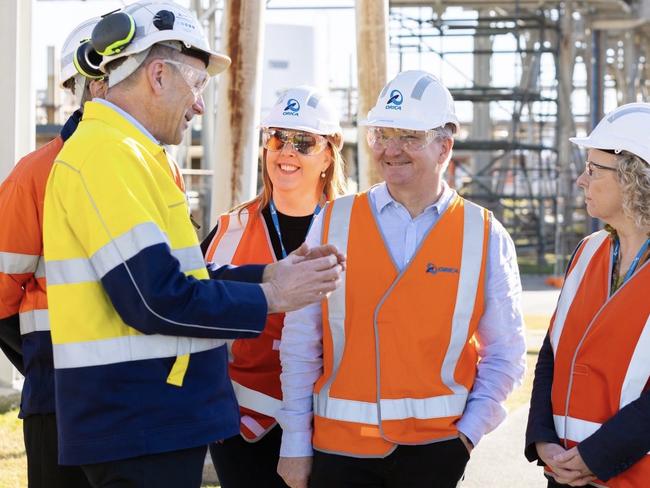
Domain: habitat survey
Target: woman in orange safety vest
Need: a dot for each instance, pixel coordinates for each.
(589, 421)
(302, 168)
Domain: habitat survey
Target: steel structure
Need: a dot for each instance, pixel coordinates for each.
(565, 56)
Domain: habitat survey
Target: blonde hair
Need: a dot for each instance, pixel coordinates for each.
(334, 183)
(634, 177)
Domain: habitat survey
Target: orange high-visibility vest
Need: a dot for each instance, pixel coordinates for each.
(399, 357)
(601, 347)
(242, 238)
(22, 268)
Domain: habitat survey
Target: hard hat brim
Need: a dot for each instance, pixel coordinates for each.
(402, 124)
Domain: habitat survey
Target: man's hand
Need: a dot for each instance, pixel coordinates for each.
(564, 472)
(295, 470)
(319, 252)
(305, 276)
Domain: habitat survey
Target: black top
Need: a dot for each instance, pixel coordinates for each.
(293, 230)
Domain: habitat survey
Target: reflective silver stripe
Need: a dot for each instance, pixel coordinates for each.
(15, 263)
(34, 321)
(190, 258)
(572, 283)
(229, 342)
(420, 86)
(627, 111)
(127, 348)
(70, 271)
(391, 409)
(229, 242)
(638, 371)
(576, 430)
(339, 231)
(573, 429)
(124, 247)
(256, 401)
(252, 425)
(40, 268)
(81, 270)
(470, 270)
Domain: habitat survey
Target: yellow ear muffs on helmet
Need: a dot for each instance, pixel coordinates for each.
(113, 33)
(86, 61)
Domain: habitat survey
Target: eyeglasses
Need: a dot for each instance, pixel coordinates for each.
(304, 142)
(196, 79)
(590, 166)
(412, 140)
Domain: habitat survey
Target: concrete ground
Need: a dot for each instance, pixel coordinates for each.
(498, 461)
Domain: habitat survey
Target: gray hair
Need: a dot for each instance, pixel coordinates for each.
(445, 132)
(634, 177)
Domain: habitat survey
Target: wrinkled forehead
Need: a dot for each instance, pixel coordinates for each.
(602, 156)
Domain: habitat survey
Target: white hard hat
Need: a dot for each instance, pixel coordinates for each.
(623, 129)
(414, 100)
(142, 24)
(304, 108)
(72, 43)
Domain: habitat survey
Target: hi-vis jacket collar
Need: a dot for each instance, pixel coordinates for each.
(102, 111)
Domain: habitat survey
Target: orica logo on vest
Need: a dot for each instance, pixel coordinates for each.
(292, 108)
(434, 270)
(395, 100)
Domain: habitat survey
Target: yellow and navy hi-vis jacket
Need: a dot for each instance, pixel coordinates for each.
(137, 326)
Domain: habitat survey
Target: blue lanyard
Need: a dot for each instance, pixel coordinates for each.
(276, 224)
(635, 262)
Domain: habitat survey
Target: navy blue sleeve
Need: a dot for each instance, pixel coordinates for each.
(152, 295)
(11, 342)
(540, 426)
(250, 273)
(621, 441)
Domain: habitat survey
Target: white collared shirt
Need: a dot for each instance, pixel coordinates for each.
(500, 330)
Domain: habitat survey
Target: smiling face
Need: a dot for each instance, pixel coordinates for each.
(411, 170)
(180, 102)
(603, 195)
(291, 171)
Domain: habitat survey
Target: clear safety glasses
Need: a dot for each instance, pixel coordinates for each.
(196, 79)
(594, 170)
(412, 140)
(304, 142)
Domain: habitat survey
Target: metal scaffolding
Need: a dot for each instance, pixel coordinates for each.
(515, 157)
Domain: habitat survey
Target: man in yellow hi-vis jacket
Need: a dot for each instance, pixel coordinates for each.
(138, 329)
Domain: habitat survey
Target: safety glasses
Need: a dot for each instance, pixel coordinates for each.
(196, 79)
(592, 169)
(304, 142)
(379, 138)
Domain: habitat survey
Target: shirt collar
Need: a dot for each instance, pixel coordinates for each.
(128, 117)
(383, 198)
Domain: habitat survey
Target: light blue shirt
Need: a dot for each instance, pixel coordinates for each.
(500, 336)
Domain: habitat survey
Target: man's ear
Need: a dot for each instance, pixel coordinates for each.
(447, 146)
(157, 75)
(98, 88)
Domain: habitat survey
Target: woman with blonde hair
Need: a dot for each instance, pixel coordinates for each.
(589, 421)
(302, 168)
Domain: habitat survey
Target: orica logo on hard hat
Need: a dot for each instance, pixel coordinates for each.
(292, 108)
(395, 100)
